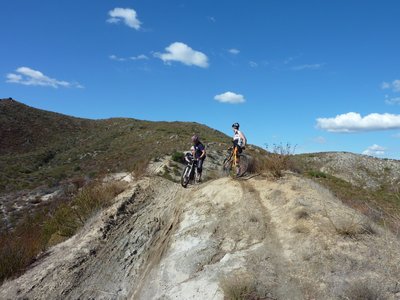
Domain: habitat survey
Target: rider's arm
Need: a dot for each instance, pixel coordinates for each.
(243, 137)
(203, 153)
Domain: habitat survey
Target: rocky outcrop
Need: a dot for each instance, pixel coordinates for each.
(361, 170)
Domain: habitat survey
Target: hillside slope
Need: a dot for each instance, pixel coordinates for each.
(41, 148)
(45, 155)
(285, 239)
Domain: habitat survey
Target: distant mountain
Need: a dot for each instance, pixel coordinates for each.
(39, 147)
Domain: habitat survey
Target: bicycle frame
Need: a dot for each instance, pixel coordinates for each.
(233, 158)
(191, 167)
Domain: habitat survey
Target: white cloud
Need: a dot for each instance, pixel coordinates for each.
(253, 64)
(353, 122)
(308, 67)
(139, 57)
(183, 53)
(230, 97)
(212, 19)
(28, 76)
(114, 57)
(127, 15)
(392, 101)
(234, 51)
(374, 150)
(288, 60)
(385, 85)
(394, 85)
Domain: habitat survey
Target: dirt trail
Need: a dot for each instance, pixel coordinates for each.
(281, 239)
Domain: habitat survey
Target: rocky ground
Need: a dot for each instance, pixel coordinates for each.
(285, 239)
(361, 170)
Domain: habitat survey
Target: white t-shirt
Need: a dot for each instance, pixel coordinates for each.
(238, 137)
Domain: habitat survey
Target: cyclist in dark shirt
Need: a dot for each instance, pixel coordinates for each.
(199, 155)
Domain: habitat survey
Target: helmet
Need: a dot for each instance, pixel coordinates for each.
(195, 139)
(235, 125)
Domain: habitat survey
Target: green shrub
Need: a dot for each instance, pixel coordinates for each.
(178, 156)
(317, 174)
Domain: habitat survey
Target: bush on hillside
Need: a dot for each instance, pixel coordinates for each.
(178, 156)
(276, 162)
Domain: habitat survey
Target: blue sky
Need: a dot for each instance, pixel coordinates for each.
(322, 75)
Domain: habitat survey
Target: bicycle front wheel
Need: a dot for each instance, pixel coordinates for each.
(185, 176)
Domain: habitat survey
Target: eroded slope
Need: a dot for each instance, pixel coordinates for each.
(286, 239)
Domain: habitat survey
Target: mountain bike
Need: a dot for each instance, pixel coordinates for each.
(235, 164)
(190, 171)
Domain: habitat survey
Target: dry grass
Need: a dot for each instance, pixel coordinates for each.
(351, 226)
(278, 160)
(239, 287)
(20, 247)
(381, 205)
(363, 290)
(301, 214)
(302, 228)
(69, 217)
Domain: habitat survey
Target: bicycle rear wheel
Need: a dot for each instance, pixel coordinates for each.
(243, 164)
(227, 167)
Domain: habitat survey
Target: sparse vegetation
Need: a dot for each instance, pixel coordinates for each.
(278, 160)
(381, 204)
(349, 226)
(21, 246)
(178, 156)
(239, 287)
(317, 174)
(301, 214)
(363, 290)
(49, 147)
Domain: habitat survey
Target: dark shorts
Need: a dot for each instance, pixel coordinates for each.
(238, 147)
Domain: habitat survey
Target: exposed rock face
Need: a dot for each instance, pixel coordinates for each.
(287, 239)
(361, 170)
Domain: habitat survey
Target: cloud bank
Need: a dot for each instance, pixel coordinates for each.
(374, 150)
(354, 122)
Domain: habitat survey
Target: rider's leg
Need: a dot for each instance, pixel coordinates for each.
(199, 169)
(239, 150)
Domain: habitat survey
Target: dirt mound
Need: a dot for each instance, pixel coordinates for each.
(287, 239)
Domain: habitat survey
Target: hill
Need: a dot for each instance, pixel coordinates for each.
(44, 148)
(326, 218)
